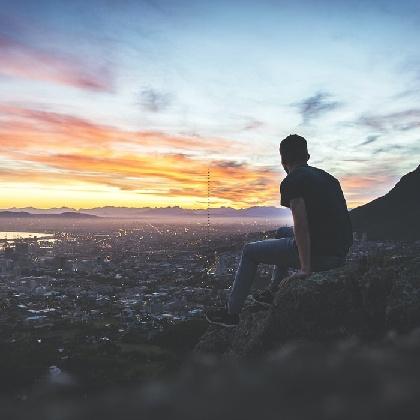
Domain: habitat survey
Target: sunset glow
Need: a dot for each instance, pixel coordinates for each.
(129, 104)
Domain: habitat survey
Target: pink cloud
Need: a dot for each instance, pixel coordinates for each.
(28, 127)
(24, 61)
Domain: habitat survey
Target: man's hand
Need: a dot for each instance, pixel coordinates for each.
(295, 276)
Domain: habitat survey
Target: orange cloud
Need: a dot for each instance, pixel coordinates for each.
(35, 129)
(64, 150)
(61, 149)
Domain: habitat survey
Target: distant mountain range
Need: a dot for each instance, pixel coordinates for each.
(149, 212)
(25, 214)
(396, 215)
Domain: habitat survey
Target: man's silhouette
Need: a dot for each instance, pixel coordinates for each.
(320, 239)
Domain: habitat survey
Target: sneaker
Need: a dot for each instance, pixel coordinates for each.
(263, 297)
(221, 316)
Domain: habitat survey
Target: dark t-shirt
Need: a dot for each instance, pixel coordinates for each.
(328, 218)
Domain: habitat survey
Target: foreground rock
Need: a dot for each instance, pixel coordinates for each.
(366, 299)
(302, 380)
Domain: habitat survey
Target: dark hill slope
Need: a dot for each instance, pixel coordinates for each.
(396, 215)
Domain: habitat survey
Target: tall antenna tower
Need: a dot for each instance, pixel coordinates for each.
(208, 207)
(209, 258)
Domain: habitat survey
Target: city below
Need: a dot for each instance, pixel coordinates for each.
(71, 293)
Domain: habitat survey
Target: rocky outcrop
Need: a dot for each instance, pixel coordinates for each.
(395, 215)
(364, 299)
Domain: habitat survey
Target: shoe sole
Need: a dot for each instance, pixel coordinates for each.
(220, 323)
(265, 304)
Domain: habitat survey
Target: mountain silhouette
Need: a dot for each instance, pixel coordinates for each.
(396, 215)
(25, 214)
(156, 212)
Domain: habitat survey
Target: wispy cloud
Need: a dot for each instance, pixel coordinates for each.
(390, 147)
(369, 139)
(396, 121)
(230, 164)
(253, 124)
(21, 60)
(316, 106)
(154, 100)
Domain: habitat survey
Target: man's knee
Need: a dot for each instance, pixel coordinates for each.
(285, 232)
(248, 249)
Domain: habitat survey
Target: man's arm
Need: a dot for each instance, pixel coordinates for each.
(301, 227)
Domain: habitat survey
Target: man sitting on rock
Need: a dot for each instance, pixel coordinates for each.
(321, 239)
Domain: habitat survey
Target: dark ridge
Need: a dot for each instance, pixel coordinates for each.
(396, 215)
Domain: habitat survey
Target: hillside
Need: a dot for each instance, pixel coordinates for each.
(396, 215)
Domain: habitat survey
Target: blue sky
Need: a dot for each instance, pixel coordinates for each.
(191, 85)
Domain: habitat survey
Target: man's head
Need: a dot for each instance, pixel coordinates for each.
(293, 151)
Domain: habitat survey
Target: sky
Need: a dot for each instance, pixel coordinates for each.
(133, 103)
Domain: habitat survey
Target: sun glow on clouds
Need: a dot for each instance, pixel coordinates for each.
(60, 156)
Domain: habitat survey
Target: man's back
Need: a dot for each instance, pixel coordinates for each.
(328, 218)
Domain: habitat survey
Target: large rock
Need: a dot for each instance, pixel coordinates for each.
(365, 299)
(346, 379)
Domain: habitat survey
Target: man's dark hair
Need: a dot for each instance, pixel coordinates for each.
(294, 148)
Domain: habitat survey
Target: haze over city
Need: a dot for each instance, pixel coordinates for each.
(129, 103)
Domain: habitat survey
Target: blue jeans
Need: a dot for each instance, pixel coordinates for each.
(281, 252)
